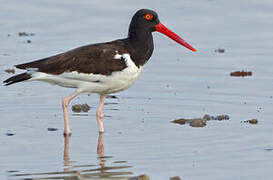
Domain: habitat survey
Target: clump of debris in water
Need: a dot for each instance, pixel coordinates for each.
(25, 34)
(201, 122)
(11, 70)
(251, 121)
(219, 50)
(241, 73)
(77, 108)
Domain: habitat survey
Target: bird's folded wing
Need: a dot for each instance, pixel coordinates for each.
(90, 59)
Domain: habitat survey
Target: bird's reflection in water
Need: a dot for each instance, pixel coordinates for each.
(84, 172)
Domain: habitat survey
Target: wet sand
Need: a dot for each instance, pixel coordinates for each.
(175, 83)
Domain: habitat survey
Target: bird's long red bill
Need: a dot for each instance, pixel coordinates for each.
(161, 28)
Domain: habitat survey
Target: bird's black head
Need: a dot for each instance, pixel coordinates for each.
(144, 20)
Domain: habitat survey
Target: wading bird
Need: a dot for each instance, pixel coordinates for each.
(102, 68)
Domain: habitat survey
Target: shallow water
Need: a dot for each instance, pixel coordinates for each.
(176, 83)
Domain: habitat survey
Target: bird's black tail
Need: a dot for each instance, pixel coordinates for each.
(17, 78)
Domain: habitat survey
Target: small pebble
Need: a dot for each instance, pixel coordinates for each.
(22, 34)
(120, 162)
(143, 177)
(52, 129)
(85, 107)
(222, 117)
(180, 121)
(111, 97)
(175, 178)
(12, 171)
(253, 121)
(220, 50)
(12, 71)
(80, 108)
(9, 133)
(207, 117)
(241, 73)
(198, 122)
(25, 34)
(76, 108)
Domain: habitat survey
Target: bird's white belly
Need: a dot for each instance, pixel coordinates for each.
(94, 83)
(115, 82)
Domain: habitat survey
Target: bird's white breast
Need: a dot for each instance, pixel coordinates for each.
(95, 83)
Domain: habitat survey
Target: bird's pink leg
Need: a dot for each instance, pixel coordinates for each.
(100, 113)
(65, 104)
(100, 145)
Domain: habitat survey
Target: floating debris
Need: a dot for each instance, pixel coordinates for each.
(28, 41)
(85, 107)
(175, 178)
(111, 97)
(219, 50)
(207, 117)
(197, 122)
(141, 177)
(251, 121)
(201, 122)
(222, 117)
(12, 70)
(76, 108)
(218, 117)
(12, 171)
(241, 73)
(180, 121)
(111, 103)
(52, 129)
(120, 162)
(9, 133)
(25, 34)
(80, 108)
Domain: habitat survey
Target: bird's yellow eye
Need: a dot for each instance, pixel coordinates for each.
(148, 16)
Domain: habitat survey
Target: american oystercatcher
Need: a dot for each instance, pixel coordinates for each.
(102, 68)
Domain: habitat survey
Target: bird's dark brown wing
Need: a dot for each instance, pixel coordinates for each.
(96, 59)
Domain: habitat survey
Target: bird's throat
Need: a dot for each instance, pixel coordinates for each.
(142, 47)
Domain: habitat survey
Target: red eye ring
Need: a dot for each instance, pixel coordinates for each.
(148, 16)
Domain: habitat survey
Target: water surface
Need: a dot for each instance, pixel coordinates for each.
(176, 83)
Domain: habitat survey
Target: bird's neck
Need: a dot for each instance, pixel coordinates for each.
(141, 46)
